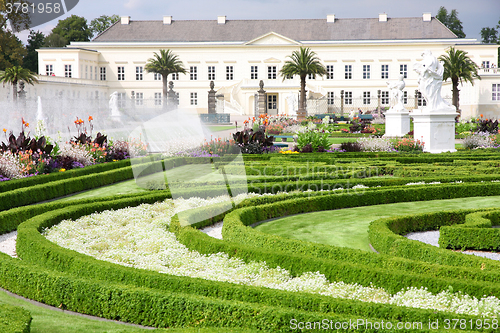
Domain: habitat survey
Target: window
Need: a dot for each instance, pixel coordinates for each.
(254, 72)
(485, 64)
(271, 72)
(194, 98)
(95, 73)
(157, 77)
(67, 71)
(157, 98)
(420, 99)
(329, 72)
(384, 72)
(348, 97)
(289, 77)
(138, 73)
(366, 97)
(211, 73)
(348, 72)
(310, 77)
(193, 73)
(384, 98)
(49, 70)
(495, 92)
(229, 72)
(403, 69)
(405, 97)
(102, 73)
(121, 99)
(139, 98)
(121, 73)
(91, 72)
(366, 71)
(174, 77)
(330, 98)
(86, 71)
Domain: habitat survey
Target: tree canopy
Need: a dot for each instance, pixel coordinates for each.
(12, 50)
(451, 21)
(36, 40)
(98, 25)
(73, 29)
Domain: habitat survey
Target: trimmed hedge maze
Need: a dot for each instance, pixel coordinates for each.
(61, 277)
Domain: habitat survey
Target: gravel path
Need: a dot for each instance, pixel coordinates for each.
(432, 238)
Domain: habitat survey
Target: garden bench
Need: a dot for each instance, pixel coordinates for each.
(283, 138)
(365, 117)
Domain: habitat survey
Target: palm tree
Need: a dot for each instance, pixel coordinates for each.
(459, 68)
(165, 63)
(15, 74)
(303, 63)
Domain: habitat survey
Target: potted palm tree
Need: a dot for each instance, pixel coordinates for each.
(459, 68)
(303, 62)
(16, 74)
(165, 63)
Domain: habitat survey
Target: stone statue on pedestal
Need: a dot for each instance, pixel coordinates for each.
(430, 80)
(396, 93)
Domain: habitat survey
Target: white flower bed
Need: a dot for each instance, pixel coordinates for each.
(137, 237)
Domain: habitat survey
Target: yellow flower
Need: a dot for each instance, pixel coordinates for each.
(62, 170)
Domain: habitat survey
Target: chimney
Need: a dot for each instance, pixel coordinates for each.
(167, 19)
(125, 19)
(221, 19)
(330, 18)
(426, 17)
(382, 17)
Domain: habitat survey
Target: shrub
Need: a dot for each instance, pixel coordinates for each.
(375, 144)
(308, 142)
(409, 145)
(351, 146)
(478, 140)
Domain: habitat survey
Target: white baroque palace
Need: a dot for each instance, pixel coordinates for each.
(360, 55)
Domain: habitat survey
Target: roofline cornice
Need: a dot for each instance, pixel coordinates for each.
(243, 43)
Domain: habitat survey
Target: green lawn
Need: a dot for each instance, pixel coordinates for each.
(219, 128)
(349, 227)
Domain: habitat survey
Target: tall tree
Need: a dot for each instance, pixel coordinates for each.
(55, 40)
(35, 41)
(302, 63)
(451, 21)
(98, 25)
(12, 50)
(489, 35)
(15, 74)
(17, 19)
(165, 63)
(459, 68)
(73, 29)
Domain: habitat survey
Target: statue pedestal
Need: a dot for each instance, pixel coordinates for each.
(435, 128)
(397, 124)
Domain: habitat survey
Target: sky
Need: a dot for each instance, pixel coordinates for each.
(474, 15)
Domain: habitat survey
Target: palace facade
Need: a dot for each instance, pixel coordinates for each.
(361, 55)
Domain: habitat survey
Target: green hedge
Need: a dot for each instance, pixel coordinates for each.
(385, 237)
(42, 179)
(14, 319)
(32, 247)
(476, 233)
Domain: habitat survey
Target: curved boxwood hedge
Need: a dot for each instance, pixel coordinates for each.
(14, 319)
(475, 233)
(59, 276)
